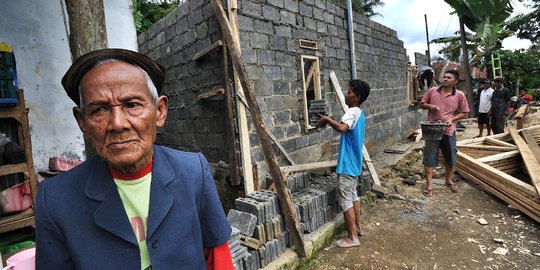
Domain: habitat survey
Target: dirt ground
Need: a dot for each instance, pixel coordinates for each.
(407, 230)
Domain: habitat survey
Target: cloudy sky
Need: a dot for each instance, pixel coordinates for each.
(407, 18)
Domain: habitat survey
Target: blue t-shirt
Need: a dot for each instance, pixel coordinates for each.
(351, 143)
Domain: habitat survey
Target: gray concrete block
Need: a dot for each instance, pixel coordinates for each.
(288, 17)
(245, 23)
(270, 13)
(305, 10)
(263, 27)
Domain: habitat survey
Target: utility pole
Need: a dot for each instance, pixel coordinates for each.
(87, 33)
(466, 65)
(427, 40)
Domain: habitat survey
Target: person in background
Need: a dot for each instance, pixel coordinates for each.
(484, 107)
(135, 205)
(352, 127)
(444, 103)
(524, 98)
(500, 102)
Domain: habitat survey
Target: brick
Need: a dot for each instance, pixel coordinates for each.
(272, 73)
(270, 13)
(287, 17)
(284, 59)
(263, 27)
(251, 8)
(291, 5)
(281, 88)
(245, 23)
(289, 73)
(321, 27)
(202, 30)
(310, 24)
(249, 55)
(282, 118)
(266, 57)
(194, 18)
(258, 41)
(305, 10)
(283, 31)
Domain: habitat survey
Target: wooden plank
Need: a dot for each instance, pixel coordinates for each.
(419, 136)
(502, 196)
(207, 50)
(493, 173)
(532, 165)
(499, 142)
(231, 134)
(489, 147)
(308, 166)
(241, 114)
(12, 168)
(499, 156)
(338, 90)
(284, 195)
(533, 145)
(213, 93)
(281, 148)
(370, 166)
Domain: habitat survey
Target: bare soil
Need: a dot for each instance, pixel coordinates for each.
(407, 230)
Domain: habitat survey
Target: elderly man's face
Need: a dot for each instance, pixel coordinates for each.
(119, 116)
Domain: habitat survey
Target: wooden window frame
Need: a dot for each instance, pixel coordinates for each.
(314, 74)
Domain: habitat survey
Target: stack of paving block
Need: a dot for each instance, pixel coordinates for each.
(242, 223)
(316, 107)
(313, 208)
(298, 181)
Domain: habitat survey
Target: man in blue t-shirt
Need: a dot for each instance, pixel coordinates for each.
(349, 166)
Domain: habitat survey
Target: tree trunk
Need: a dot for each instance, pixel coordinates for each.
(87, 33)
(466, 65)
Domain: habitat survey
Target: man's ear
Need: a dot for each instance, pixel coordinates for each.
(162, 107)
(78, 114)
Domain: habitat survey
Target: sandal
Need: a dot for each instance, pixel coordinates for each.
(477, 136)
(427, 192)
(453, 187)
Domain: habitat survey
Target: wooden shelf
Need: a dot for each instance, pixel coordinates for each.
(20, 114)
(13, 168)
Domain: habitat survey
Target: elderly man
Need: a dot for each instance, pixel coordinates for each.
(136, 205)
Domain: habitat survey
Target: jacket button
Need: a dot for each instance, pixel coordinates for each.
(155, 244)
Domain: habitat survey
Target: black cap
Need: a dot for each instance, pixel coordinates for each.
(498, 79)
(85, 63)
(485, 81)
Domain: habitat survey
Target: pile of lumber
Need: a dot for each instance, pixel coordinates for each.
(506, 165)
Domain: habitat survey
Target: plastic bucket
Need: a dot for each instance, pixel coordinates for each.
(24, 260)
(432, 130)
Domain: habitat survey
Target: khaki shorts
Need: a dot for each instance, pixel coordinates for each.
(347, 191)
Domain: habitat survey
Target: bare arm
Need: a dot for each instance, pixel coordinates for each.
(427, 106)
(458, 116)
(337, 126)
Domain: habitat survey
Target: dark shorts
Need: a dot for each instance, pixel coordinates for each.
(448, 148)
(483, 118)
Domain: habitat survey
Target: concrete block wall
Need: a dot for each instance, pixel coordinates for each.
(420, 59)
(173, 41)
(270, 32)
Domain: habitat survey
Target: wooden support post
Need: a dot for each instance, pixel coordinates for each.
(520, 115)
(243, 131)
(282, 191)
(231, 138)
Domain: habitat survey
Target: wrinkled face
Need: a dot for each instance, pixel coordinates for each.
(449, 80)
(119, 115)
(351, 98)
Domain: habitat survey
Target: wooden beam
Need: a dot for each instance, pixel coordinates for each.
(207, 50)
(533, 145)
(213, 93)
(231, 137)
(489, 147)
(532, 165)
(281, 148)
(370, 166)
(500, 156)
(308, 166)
(241, 104)
(499, 142)
(282, 191)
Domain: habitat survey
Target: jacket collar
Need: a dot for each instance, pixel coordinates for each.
(111, 215)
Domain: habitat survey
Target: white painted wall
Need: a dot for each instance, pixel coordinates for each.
(37, 32)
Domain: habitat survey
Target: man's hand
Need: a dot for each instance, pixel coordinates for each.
(323, 120)
(434, 108)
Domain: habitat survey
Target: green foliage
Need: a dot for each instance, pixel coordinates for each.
(364, 7)
(523, 66)
(527, 26)
(475, 13)
(148, 12)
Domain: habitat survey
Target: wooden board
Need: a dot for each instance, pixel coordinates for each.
(532, 165)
